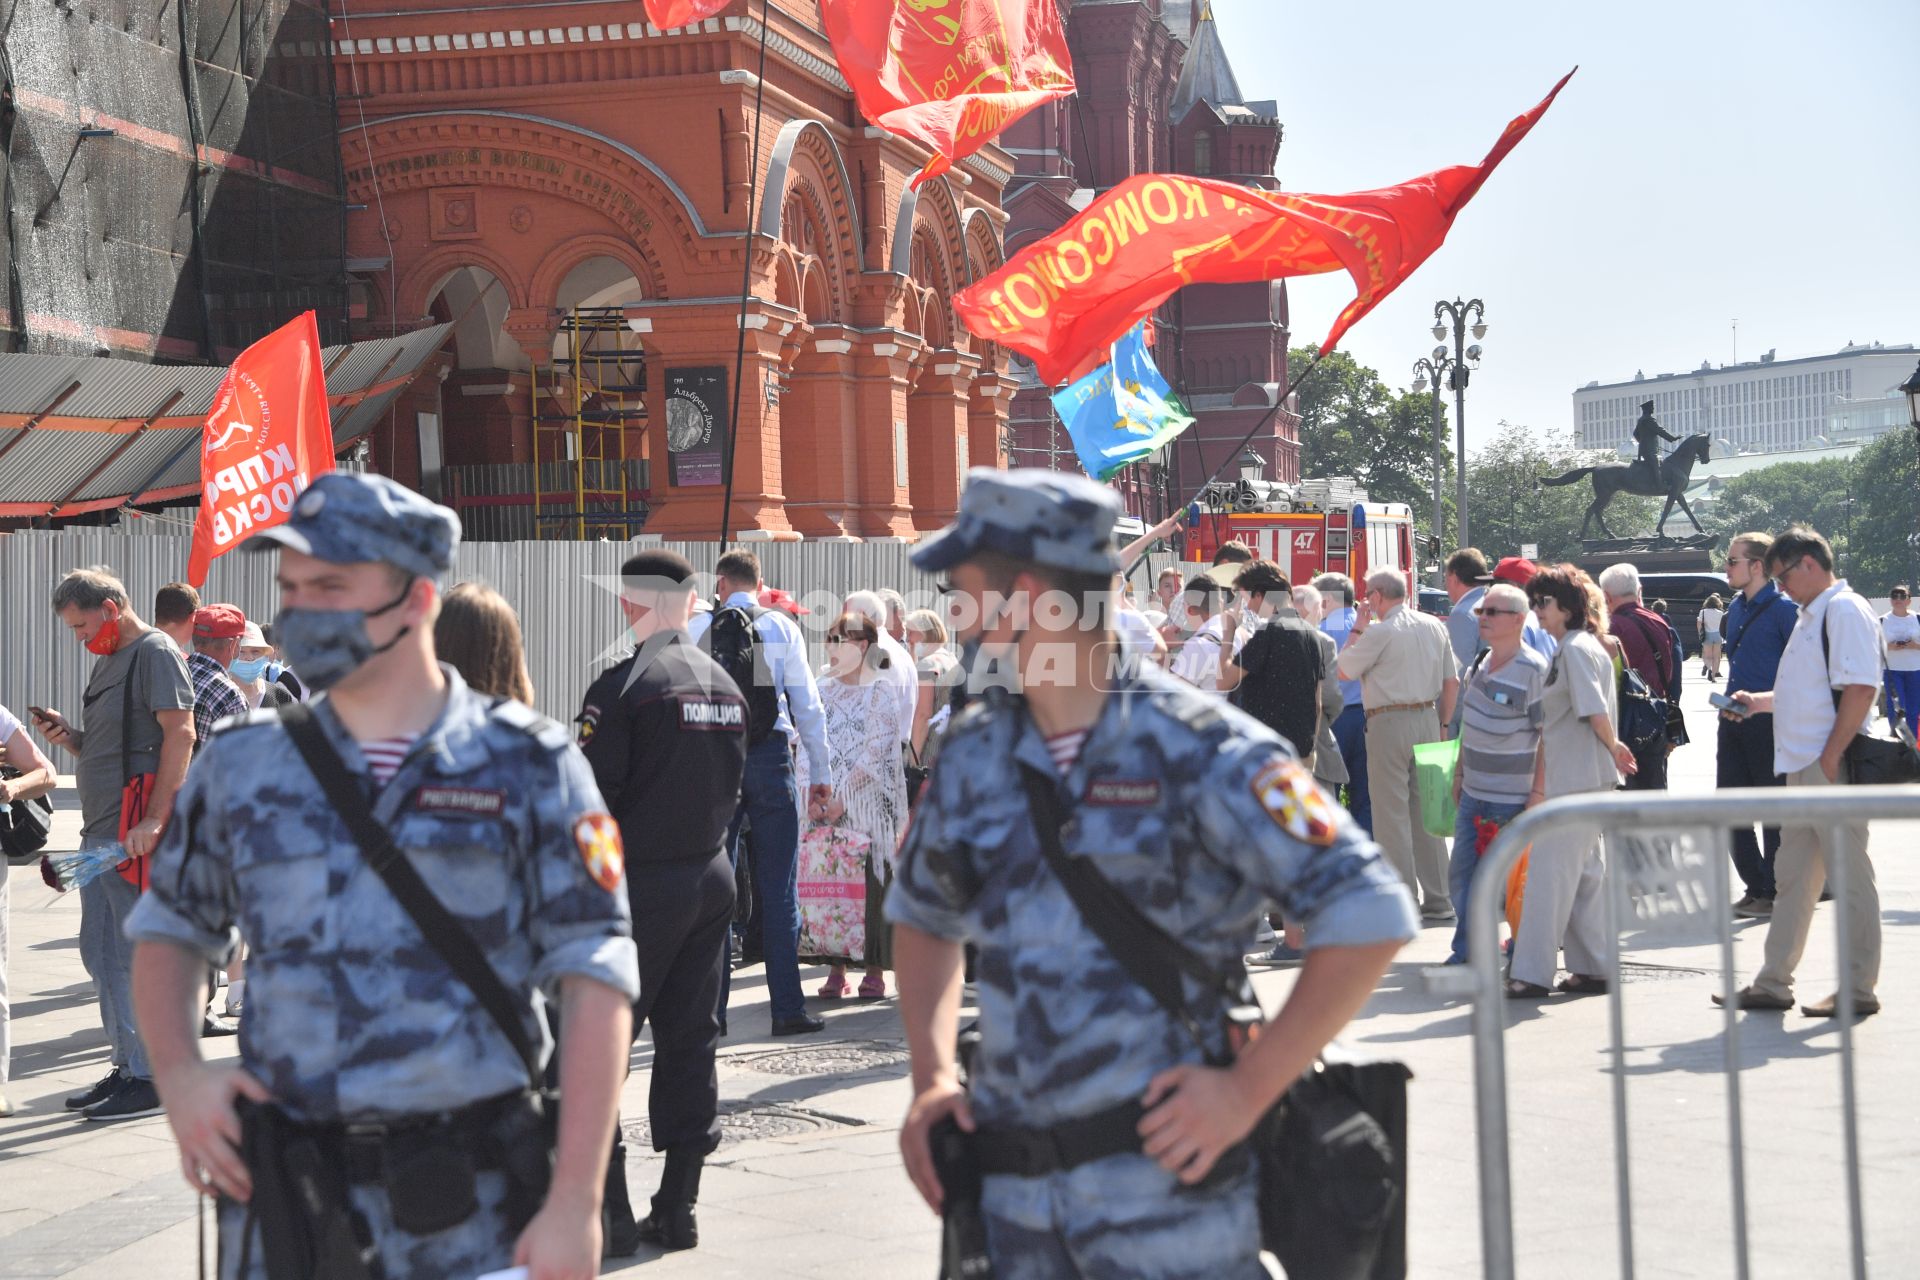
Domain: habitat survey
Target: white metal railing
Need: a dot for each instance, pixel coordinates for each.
(1653, 845)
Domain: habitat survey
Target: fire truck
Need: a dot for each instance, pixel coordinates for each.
(1314, 527)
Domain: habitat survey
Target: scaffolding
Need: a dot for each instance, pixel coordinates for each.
(595, 408)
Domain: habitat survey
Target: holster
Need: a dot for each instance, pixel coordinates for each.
(963, 1227)
(427, 1165)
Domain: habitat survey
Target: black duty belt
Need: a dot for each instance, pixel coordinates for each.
(361, 1143)
(1034, 1153)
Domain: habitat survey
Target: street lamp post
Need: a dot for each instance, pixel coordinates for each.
(1428, 370)
(1457, 313)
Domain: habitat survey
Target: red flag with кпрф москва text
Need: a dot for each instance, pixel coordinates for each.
(1064, 300)
(268, 434)
(949, 74)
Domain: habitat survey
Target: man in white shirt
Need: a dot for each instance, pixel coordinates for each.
(767, 791)
(1821, 698)
(1198, 661)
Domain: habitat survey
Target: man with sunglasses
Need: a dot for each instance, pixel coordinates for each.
(1758, 622)
(1828, 679)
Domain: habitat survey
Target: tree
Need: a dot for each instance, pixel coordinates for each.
(1868, 533)
(1352, 424)
(1886, 511)
(1510, 508)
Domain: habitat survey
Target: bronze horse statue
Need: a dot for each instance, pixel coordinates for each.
(1671, 479)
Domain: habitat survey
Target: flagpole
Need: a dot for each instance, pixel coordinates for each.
(1293, 385)
(732, 437)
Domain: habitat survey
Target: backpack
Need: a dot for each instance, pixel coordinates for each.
(1286, 695)
(733, 641)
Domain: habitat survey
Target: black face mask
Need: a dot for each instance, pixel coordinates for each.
(325, 646)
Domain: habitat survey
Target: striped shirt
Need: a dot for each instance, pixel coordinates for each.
(384, 755)
(1500, 727)
(1065, 748)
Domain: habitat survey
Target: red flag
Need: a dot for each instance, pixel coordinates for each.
(669, 14)
(1065, 299)
(269, 433)
(949, 74)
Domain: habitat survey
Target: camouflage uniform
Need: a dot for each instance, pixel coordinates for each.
(351, 1014)
(1200, 814)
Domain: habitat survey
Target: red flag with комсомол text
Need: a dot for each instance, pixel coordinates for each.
(671, 14)
(949, 74)
(268, 434)
(1064, 300)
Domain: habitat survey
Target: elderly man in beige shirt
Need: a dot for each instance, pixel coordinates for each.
(1404, 662)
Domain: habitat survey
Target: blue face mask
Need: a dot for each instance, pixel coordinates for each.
(247, 671)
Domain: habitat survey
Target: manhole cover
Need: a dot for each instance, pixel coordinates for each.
(1631, 972)
(838, 1059)
(746, 1122)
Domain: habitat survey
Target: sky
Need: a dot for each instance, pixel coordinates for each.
(1711, 162)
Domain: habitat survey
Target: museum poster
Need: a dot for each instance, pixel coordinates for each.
(696, 425)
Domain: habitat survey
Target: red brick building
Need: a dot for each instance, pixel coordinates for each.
(1159, 95)
(573, 194)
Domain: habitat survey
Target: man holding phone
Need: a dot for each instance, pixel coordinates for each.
(1757, 625)
(137, 721)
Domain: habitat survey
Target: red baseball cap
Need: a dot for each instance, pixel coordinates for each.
(219, 622)
(1515, 569)
(774, 598)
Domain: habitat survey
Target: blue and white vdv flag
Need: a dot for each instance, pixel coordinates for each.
(1121, 412)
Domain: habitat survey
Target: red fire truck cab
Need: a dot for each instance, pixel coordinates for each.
(1354, 537)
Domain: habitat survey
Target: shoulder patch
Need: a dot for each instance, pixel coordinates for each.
(1295, 802)
(597, 836)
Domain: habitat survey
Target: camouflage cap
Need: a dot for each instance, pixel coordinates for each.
(1041, 517)
(345, 518)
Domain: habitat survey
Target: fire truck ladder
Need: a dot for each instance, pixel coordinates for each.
(595, 410)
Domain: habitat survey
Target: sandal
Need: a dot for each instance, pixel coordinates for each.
(873, 987)
(1581, 984)
(834, 987)
(1518, 990)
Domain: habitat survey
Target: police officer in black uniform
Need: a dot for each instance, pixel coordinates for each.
(666, 733)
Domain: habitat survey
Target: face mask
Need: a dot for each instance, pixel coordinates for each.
(925, 649)
(246, 671)
(106, 641)
(327, 645)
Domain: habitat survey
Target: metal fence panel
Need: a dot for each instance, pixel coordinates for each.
(1631, 874)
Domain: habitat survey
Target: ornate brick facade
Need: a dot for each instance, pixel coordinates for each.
(518, 160)
(1159, 96)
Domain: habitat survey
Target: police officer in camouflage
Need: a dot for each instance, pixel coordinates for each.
(384, 1085)
(1198, 815)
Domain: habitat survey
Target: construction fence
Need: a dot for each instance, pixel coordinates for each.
(563, 592)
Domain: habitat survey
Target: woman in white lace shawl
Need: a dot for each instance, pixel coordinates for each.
(864, 737)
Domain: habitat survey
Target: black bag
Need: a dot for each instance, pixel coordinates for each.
(24, 824)
(1332, 1151)
(1285, 694)
(1643, 717)
(1873, 761)
(732, 639)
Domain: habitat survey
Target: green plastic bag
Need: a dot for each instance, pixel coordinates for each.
(1433, 766)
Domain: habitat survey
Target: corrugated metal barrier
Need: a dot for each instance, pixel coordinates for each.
(562, 591)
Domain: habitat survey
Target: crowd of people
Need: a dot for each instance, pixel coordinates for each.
(727, 771)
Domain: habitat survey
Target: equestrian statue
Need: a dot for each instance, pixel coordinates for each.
(1648, 475)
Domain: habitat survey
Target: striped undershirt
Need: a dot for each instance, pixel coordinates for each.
(384, 755)
(1065, 748)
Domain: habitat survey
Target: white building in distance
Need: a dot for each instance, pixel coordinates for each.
(1760, 406)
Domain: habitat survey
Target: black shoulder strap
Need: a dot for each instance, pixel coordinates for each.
(1149, 955)
(442, 931)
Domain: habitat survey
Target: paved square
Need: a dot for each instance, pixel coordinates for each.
(808, 1182)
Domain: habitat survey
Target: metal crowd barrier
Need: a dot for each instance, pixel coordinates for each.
(1652, 839)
